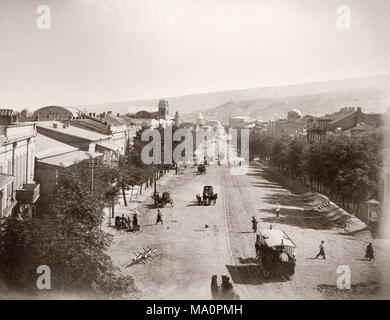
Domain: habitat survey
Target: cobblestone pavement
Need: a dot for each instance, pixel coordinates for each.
(196, 242)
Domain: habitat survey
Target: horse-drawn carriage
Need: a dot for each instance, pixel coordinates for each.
(209, 197)
(162, 201)
(275, 250)
(201, 169)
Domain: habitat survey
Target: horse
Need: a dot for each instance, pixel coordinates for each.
(199, 199)
(213, 198)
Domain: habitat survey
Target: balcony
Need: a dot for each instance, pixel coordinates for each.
(29, 194)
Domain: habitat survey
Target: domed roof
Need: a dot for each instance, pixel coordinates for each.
(296, 111)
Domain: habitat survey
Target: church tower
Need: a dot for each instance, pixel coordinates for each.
(163, 109)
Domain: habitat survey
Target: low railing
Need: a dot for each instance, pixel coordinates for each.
(29, 194)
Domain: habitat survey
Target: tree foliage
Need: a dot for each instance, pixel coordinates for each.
(70, 242)
(347, 167)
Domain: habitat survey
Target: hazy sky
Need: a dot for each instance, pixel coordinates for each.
(117, 50)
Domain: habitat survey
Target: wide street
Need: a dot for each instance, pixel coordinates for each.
(196, 242)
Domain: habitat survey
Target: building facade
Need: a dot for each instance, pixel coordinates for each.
(18, 190)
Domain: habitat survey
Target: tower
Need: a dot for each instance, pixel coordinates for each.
(163, 109)
(177, 119)
(200, 120)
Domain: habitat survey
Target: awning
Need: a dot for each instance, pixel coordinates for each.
(5, 180)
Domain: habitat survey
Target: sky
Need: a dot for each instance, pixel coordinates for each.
(119, 50)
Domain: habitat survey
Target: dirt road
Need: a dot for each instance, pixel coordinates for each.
(196, 242)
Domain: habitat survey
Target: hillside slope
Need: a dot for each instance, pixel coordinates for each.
(204, 101)
(372, 100)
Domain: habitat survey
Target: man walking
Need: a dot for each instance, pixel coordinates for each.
(277, 210)
(159, 217)
(369, 252)
(254, 224)
(322, 250)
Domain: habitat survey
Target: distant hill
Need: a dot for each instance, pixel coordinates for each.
(263, 98)
(371, 100)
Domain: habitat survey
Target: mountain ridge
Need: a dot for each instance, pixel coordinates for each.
(186, 105)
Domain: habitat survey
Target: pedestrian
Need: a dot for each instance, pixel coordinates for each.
(369, 252)
(254, 224)
(277, 210)
(159, 217)
(123, 222)
(322, 250)
(135, 220)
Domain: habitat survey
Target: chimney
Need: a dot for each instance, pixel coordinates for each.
(55, 125)
(109, 112)
(5, 117)
(118, 114)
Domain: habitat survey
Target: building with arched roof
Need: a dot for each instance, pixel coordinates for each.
(56, 113)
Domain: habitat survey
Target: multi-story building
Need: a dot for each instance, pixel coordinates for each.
(53, 156)
(18, 190)
(83, 139)
(346, 119)
(107, 124)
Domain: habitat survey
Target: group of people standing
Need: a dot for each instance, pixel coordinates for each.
(125, 223)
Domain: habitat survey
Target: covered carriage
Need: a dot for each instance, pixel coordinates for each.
(201, 169)
(208, 197)
(162, 201)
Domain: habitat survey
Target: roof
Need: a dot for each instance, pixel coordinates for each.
(342, 115)
(5, 179)
(337, 116)
(46, 147)
(67, 159)
(274, 237)
(296, 111)
(72, 130)
(135, 109)
(114, 120)
(75, 112)
(109, 145)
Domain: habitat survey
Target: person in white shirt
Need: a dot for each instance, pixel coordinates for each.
(277, 210)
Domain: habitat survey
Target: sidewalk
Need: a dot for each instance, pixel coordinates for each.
(138, 200)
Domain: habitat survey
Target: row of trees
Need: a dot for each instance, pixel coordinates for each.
(346, 168)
